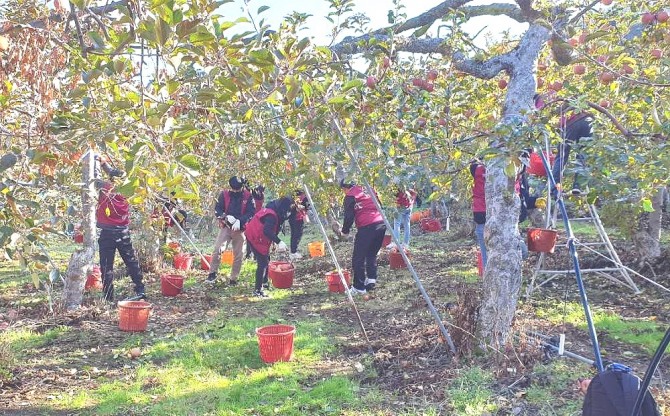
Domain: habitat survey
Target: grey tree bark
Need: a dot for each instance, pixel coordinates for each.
(647, 238)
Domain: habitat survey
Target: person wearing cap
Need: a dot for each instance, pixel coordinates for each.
(233, 209)
(262, 232)
(361, 209)
(404, 200)
(296, 221)
(113, 219)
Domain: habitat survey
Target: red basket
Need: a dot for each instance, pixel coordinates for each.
(335, 283)
(93, 279)
(281, 273)
(133, 315)
(395, 259)
(536, 167)
(205, 261)
(275, 342)
(542, 240)
(172, 284)
(182, 261)
(387, 240)
(431, 225)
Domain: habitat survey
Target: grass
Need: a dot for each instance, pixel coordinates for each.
(470, 392)
(641, 333)
(547, 379)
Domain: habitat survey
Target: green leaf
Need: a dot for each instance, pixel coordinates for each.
(54, 274)
(163, 31)
(338, 99)
(421, 31)
(97, 39)
(647, 206)
(36, 280)
(262, 9)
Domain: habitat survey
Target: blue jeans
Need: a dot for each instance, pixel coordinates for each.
(403, 217)
(479, 233)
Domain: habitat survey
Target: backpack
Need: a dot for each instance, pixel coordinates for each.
(613, 393)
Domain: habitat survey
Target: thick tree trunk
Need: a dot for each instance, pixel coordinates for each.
(502, 278)
(147, 243)
(81, 261)
(647, 238)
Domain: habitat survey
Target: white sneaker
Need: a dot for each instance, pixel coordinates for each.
(295, 256)
(390, 246)
(353, 291)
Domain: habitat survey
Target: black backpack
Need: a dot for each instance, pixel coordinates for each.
(613, 393)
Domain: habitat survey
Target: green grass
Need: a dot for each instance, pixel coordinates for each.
(643, 333)
(470, 393)
(547, 379)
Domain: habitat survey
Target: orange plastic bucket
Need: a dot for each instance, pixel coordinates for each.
(281, 273)
(205, 261)
(395, 259)
(335, 283)
(317, 248)
(542, 240)
(172, 284)
(480, 264)
(133, 315)
(182, 261)
(93, 279)
(275, 342)
(227, 257)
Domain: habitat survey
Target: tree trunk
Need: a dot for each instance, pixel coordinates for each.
(147, 244)
(502, 277)
(647, 238)
(81, 261)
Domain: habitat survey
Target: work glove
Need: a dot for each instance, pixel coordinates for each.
(230, 219)
(235, 226)
(541, 202)
(281, 247)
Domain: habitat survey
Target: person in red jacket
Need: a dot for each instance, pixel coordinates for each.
(262, 231)
(296, 221)
(234, 208)
(478, 172)
(360, 208)
(113, 219)
(404, 200)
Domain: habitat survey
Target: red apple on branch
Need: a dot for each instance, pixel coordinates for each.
(502, 84)
(648, 18)
(579, 69)
(431, 75)
(662, 16)
(656, 53)
(371, 82)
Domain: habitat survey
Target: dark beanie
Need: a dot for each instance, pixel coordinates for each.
(236, 183)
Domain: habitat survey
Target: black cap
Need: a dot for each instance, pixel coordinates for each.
(346, 184)
(236, 183)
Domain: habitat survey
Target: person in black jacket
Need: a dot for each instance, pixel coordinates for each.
(233, 209)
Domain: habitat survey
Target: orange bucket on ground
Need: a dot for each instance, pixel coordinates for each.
(536, 167)
(133, 315)
(419, 215)
(182, 261)
(317, 248)
(275, 342)
(227, 257)
(172, 284)
(93, 279)
(281, 273)
(542, 240)
(205, 261)
(395, 259)
(431, 225)
(335, 283)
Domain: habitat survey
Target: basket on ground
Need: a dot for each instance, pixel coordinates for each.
(542, 240)
(133, 315)
(387, 240)
(275, 342)
(316, 248)
(395, 259)
(281, 273)
(335, 283)
(172, 284)
(205, 261)
(182, 261)
(93, 279)
(431, 225)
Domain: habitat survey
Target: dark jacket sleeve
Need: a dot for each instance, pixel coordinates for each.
(269, 226)
(249, 211)
(219, 207)
(473, 169)
(349, 213)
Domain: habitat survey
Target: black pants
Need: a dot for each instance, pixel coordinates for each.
(108, 242)
(262, 262)
(297, 227)
(367, 243)
(578, 130)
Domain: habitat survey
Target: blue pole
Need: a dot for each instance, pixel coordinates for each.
(575, 262)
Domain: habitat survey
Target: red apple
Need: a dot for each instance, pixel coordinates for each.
(606, 2)
(399, 124)
(541, 67)
(431, 75)
(627, 69)
(371, 82)
(573, 42)
(417, 82)
(556, 86)
(502, 84)
(579, 69)
(421, 122)
(386, 63)
(540, 82)
(442, 122)
(606, 77)
(428, 86)
(662, 16)
(604, 104)
(656, 53)
(648, 18)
